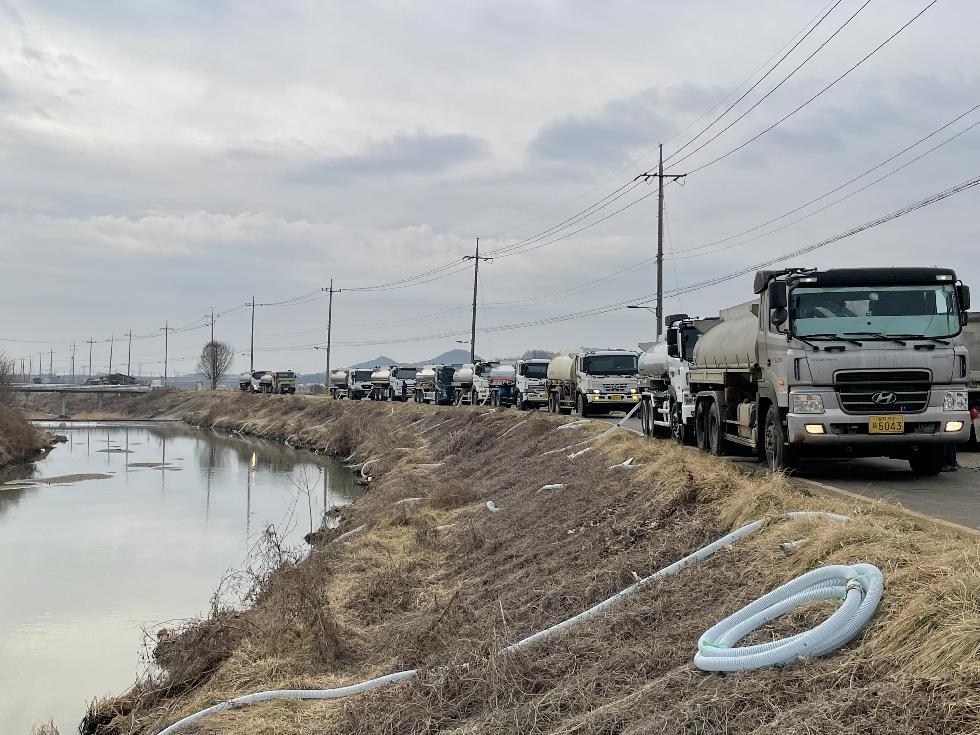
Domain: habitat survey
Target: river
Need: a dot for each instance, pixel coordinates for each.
(128, 527)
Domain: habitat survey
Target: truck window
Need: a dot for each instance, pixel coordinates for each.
(609, 364)
(689, 338)
(406, 373)
(362, 376)
(536, 370)
(929, 310)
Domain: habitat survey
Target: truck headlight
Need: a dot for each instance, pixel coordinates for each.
(595, 391)
(632, 390)
(807, 403)
(955, 400)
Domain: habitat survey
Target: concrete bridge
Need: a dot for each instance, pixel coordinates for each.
(65, 389)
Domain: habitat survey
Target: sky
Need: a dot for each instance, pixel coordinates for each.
(158, 160)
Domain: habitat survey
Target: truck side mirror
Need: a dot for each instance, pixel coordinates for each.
(963, 294)
(778, 317)
(671, 338)
(777, 295)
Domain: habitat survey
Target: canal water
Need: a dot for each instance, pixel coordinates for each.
(127, 527)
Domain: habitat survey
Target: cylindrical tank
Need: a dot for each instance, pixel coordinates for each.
(463, 375)
(381, 375)
(502, 374)
(560, 368)
(653, 362)
(426, 375)
(339, 378)
(732, 344)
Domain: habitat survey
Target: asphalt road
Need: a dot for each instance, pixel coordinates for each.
(950, 496)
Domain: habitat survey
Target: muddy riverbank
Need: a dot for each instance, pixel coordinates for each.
(20, 441)
(439, 577)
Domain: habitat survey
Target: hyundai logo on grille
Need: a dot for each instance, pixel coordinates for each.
(883, 398)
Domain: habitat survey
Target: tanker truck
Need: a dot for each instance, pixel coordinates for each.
(338, 384)
(531, 384)
(666, 403)
(245, 381)
(593, 381)
(401, 382)
(434, 384)
(503, 385)
(471, 382)
(380, 383)
(849, 362)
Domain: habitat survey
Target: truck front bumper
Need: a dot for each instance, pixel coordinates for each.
(626, 400)
(836, 428)
(536, 397)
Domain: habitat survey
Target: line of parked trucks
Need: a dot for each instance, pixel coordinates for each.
(851, 362)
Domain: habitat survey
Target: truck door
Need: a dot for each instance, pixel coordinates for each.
(773, 352)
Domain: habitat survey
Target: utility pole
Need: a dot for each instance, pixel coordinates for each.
(73, 362)
(166, 343)
(50, 362)
(251, 351)
(112, 343)
(90, 341)
(476, 276)
(331, 291)
(659, 175)
(129, 355)
(212, 325)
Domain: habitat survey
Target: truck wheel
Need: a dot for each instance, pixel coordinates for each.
(779, 455)
(715, 431)
(928, 461)
(700, 426)
(646, 423)
(519, 402)
(678, 430)
(474, 398)
(583, 406)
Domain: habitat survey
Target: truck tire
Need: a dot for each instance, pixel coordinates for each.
(928, 461)
(678, 429)
(715, 431)
(700, 425)
(552, 403)
(474, 398)
(779, 455)
(519, 402)
(646, 424)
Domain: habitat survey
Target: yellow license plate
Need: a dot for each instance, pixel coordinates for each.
(886, 425)
(615, 398)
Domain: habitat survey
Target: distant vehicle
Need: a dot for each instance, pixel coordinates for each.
(245, 382)
(156, 383)
(37, 381)
(112, 379)
(353, 384)
(261, 381)
(593, 381)
(284, 381)
(532, 383)
(434, 384)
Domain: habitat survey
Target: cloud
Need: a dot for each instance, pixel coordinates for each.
(604, 137)
(400, 155)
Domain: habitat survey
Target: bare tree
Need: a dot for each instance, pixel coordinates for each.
(6, 377)
(215, 360)
(538, 354)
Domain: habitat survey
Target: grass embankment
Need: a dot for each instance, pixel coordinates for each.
(19, 440)
(441, 580)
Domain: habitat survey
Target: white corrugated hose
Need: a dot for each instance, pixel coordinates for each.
(859, 587)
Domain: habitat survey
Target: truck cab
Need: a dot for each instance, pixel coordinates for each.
(402, 382)
(844, 362)
(359, 383)
(284, 381)
(531, 383)
(261, 381)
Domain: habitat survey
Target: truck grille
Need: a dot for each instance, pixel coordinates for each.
(616, 387)
(882, 391)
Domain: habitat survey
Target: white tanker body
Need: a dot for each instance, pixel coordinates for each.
(380, 380)
(471, 382)
(850, 362)
(593, 381)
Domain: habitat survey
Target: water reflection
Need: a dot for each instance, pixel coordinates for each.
(84, 564)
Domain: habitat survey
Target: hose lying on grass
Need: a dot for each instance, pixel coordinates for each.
(860, 587)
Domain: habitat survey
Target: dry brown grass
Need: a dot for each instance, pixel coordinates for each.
(19, 440)
(443, 581)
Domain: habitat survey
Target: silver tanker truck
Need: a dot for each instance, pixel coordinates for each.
(853, 362)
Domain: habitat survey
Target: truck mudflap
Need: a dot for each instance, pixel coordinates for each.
(836, 428)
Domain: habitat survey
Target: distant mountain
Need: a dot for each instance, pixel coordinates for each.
(379, 360)
(449, 358)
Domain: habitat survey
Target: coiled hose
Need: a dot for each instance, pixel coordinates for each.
(860, 586)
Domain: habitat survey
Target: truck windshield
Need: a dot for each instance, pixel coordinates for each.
(286, 375)
(929, 310)
(484, 368)
(609, 365)
(536, 370)
(362, 375)
(446, 373)
(406, 373)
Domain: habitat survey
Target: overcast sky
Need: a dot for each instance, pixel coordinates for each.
(161, 159)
